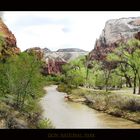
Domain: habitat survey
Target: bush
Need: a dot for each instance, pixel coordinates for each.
(45, 123)
(53, 79)
(132, 104)
(64, 88)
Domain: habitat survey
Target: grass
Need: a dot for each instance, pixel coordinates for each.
(120, 105)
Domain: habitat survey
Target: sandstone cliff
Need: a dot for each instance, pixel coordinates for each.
(115, 31)
(8, 44)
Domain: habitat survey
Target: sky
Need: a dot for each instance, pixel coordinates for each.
(59, 29)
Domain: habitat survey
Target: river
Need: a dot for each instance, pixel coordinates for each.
(65, 114)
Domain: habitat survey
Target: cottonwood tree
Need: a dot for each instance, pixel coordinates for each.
(129, 54)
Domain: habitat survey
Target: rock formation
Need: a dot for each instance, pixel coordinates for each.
(54, 66)
(66, 54)
(37, 51)
(8, 44)
(46, 50)
(115, 31)
(53, 60)
(56, 59)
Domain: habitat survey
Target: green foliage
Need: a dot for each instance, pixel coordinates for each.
(64, 88)
(21, 86)
(20, 77)
(74, 72)
(53, 79)
(115, 80)
(122, 67)
(128, 55)
(90, 82)
(100, 80)
(2, 43)
(45, 123)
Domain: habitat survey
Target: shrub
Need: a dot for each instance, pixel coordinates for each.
(45, 123)
(64, 88)
(132, 104)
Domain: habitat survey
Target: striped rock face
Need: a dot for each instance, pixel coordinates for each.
(114, 32)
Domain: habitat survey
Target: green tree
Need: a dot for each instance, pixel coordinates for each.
(22, 78)
(75, 72)
(129, 54)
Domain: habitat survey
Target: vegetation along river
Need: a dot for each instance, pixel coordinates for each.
(65, 114)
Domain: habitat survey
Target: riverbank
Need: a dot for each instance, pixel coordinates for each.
(119, 105)
(13, 118)
(28, 117)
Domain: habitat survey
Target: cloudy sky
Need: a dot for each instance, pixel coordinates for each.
(56, 30)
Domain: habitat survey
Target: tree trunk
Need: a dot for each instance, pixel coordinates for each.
(106, 84)
(106, 80)
(128, 81)
(87, 73)
(139, 84)
(134, 88)
(121, 83)
(139, 87)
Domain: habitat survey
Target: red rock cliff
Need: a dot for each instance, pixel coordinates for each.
(54, 66)
(8, 44)
(51, 65)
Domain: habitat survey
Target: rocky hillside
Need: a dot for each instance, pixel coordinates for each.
(70, 50)
(67, 54)
(8, 44)
(55, 59)
(114, 32)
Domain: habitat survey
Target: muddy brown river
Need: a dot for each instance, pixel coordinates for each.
(65, 114)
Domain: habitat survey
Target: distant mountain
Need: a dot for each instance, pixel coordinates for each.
(46, 50)
(66, 54)
(70, 50)
(55, 59)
